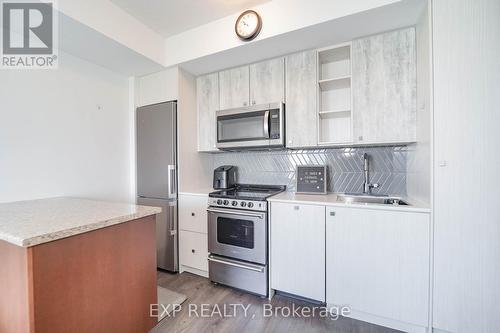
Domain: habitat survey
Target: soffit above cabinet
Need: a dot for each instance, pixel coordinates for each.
(201, 55)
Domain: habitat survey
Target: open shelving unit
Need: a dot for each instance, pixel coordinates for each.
(334, 95)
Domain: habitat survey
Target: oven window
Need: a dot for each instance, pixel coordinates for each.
(235, 232)
(241, 127)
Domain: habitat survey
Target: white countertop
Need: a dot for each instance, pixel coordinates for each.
(202, 191)
(29, 223)
(331, 200)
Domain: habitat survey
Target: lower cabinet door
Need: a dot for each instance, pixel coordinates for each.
(193, 250)
(298, 250)
(377, 263)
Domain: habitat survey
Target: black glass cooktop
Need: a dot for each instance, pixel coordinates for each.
(249, 192)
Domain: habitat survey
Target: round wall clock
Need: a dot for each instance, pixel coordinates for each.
(248, 25)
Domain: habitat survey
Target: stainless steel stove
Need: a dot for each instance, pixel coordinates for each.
(237, 236)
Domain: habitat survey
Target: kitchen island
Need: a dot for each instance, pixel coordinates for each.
(76, 265)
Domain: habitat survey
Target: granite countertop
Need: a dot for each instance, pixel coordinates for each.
(34, 222)
(331, 200)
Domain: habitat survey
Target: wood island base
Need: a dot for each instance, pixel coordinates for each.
(100, 281)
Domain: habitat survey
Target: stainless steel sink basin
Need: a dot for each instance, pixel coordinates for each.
(371, 199)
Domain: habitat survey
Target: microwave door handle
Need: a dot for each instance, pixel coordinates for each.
(266, 124)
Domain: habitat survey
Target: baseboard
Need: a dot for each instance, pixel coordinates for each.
(192, 270)
(386, 322)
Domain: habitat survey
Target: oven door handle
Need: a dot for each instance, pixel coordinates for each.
(250, 268)
(232, 212)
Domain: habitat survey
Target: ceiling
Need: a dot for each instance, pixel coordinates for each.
(170, 17)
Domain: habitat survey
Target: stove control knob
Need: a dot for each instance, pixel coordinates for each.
(250, 205)
(235, 203)
(243, 204)
(219, 202)
(226, 202)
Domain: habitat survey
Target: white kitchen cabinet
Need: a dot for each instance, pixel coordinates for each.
(267, 81)
(193, 238)
(234, 89)
(207, 93)
(377, 262)
(193, 251)
(193, 213)
(297, 249)
(384, 88)
(301, 99)
(466, 99)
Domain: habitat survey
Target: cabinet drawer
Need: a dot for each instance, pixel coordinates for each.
(193, 213)
(193, 250)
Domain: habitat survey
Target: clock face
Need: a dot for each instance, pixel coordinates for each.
(248, 25)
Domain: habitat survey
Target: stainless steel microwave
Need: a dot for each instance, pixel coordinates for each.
(257, 126)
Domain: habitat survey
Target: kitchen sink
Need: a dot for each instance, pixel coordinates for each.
(371, 199)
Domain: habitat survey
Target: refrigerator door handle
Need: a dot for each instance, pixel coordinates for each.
(173, 219)
(172, 183)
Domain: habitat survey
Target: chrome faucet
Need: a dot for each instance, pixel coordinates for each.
(367, 187)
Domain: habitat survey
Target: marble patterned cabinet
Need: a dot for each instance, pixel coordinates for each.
(234, 87)
(358, 93)
(267, 81)
(301, 115)
(207, 94)
(259, 83)
(384, 88)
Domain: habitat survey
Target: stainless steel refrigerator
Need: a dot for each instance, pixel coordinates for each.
(157, 174)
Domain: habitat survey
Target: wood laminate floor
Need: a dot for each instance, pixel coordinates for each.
(201, 291)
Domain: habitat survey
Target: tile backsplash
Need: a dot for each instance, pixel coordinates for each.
(345, 167)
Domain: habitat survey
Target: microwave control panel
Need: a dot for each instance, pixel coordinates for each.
(274, 124)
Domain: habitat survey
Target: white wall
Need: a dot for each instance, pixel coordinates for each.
(113, 22)
(466, 52)
(288, 26)
(158, 87)
(418, 178)
(279, 16)
(195, 169)
(54, 139)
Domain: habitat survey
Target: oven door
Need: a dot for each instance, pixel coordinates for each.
(238, 234)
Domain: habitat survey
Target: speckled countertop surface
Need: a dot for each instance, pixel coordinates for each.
(34, 222)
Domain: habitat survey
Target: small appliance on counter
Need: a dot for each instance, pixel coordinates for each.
(224, 177)
(238, 237)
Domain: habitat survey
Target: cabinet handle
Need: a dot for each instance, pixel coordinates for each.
(296, 207)
(245, 103)
(253, 102)
(193, 251)
(192, 214)
(360, 138)
(332, 213)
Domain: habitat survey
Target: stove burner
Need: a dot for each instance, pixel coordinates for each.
(248, 197)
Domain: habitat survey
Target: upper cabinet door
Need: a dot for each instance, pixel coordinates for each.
(301, 98)
(384, 87)
(207, 93)
(234, 88)
(267, 81)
